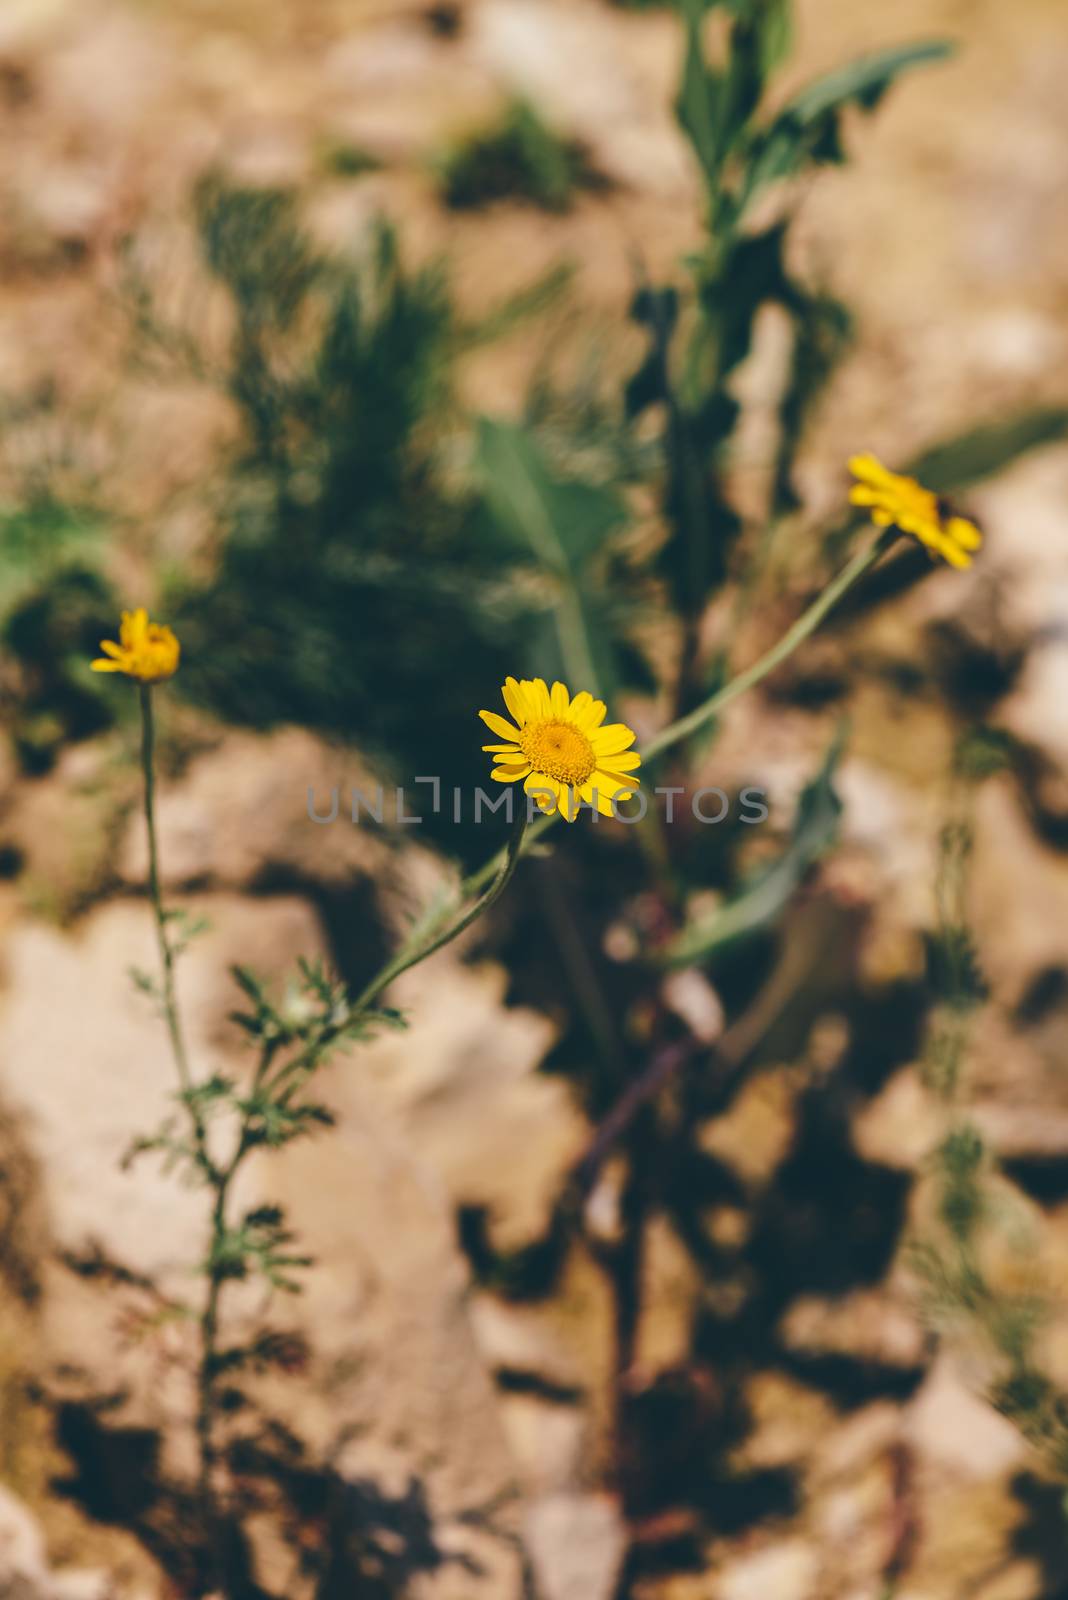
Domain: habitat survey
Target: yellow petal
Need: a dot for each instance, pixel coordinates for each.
(954, 555)
(510, 774)
(515, 700)
(590, 717)
(559, 699)
(132, 628)
(501, 749)
(621, 761)
(107, 666)
(544, 789)
(869, 467)
(498, 725)
(570, 803)
(610, 784)
(538, 696)
(964, 533)
(593, 797)
(613, 737)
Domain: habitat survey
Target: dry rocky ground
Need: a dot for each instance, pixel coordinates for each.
(950, 236)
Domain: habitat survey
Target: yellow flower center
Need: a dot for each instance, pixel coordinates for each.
(559, 750)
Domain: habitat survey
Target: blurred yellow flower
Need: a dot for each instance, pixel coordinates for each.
(899, 502)
(561, 749)
(146, 650)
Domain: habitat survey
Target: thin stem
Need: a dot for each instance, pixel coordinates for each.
(574, 639)
(219, 1180)
(803, 628)
(506, 863)
(166, 952)
(209, 1317)
(499, 868)
(209, 1335)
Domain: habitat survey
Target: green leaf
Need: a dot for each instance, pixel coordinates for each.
(815, 830)
(984, 451)
(863, 82)
(144, 981)
(823, 328)
(807, 128)
(247, 980)
(776, 24)
(217, 1087)
(560, 522)
(699, 106)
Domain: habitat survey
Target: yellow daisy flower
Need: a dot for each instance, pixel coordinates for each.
(561, 748)
(146, 650)
(899, 502)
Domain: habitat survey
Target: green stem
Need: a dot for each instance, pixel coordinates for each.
(499, 868)
(220, 1181)
(802, 629)
(166, 952)
(574, 639)
(428, 940)
(209, 1337)
(681, 729)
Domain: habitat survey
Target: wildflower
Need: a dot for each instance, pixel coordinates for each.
(147, 650)
(899, 502)
(560, 748)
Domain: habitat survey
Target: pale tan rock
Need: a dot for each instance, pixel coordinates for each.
(956, 1431)
(617, 111)
(577, 1544)
(901, 1125)
(870, 1324)
(857, 1441)
(754, 1135)
(22, 1551)
(788, 1570)
(462, 1088)
(789, 1420)
(1037, 713)
(520, 1338)
(241, 812)
(550, 1443)
(1019, 895)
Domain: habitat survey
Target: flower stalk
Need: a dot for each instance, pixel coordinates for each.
(209, 1317)
(684, 727)
(427, 940)
(166, 950)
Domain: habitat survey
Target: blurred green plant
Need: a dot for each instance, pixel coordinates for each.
(54, 592)
(951, 1257)
(517, 157)
(347, 563)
